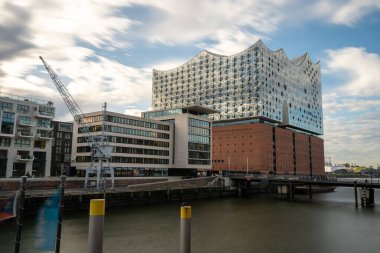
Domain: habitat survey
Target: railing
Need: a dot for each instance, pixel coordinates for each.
(44, 114)
(25, 157)
(26, 99)
(25, 134)
(45, 135)
(26, 122)
(265, 175)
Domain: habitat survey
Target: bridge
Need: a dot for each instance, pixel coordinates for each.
(287, 184)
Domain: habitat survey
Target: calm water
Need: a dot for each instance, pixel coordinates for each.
(263, 223)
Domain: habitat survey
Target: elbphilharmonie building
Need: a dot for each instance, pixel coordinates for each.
(255, 84)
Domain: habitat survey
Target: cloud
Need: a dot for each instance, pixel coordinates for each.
(360, 67)
(70, 36)
(224, 26)
(14, 35)
(352, 106)
(344, 12)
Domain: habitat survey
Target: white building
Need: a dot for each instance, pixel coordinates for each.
(193, 137)
(25, 136)
(139, 146)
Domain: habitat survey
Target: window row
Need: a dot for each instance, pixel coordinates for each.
(121, 159)
(133, 141)
(199, 162)
(123, 130)
(129, 150)
(199, 123)
(133, 122)
(199, 131)
(199, 139)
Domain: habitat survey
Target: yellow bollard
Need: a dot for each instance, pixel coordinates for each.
(96, 226)
(185, 230)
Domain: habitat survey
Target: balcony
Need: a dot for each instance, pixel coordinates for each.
(45, 135)
(45, 112)
(25, 158)
(25, 134)
(23, 122)
(45, 127)
(45, 115)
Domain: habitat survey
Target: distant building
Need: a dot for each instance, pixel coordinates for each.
(61, 148)
(193, 138)
(141, 147)
(25, 136)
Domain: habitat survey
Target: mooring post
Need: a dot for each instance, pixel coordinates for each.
(185, 230)
(310, 192)
(291, 197)
(96, 226)
(356, 194)
(60, 211)
(20, 213)
(239, 189)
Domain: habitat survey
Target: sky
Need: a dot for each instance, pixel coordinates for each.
(104, 51)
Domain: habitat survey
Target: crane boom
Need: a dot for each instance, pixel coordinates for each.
(100, 150)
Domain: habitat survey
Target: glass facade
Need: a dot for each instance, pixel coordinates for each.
(257, 82)
(199, 142)
(7, 123)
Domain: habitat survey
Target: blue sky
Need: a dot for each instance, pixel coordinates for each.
(104, 51)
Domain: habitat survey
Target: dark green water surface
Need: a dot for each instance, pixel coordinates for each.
(262, 224)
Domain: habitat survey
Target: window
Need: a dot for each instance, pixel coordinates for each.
(40, 144)
(6, 106)
(5, 142)
(7, 124)
(23, 108)
(22, 143)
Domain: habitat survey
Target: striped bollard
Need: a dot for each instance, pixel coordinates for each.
(185, 230)
(95, 231)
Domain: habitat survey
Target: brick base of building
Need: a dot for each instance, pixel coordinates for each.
(266, 148)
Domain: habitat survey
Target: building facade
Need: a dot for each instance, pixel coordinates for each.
(25, 136)
(140, 147)
(192, 138)
(261, 147)
(61, 148)
(256, 83)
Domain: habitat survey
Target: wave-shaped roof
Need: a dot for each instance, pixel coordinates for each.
(298, 61)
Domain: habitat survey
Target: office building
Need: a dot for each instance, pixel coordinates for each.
(25, 136)
(140, 147)
(61, 148)
(192, 138)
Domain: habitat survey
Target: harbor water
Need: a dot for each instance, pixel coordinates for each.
(263, 224)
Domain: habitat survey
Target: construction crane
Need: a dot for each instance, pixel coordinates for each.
(101, 152)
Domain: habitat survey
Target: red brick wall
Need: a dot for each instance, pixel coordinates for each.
(302, 148)
(255, 142)
(237, 143)
(284, 151)
(317, 156)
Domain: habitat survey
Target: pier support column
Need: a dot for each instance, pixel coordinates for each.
(185, 230)
(310, 192)
(291, 191)
(356, 194)
(95, 231)
(239, 189)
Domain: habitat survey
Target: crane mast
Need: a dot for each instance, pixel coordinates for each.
(100, 150)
